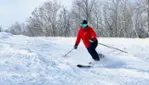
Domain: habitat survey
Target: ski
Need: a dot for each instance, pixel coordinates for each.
(83, 66)
(90, 64)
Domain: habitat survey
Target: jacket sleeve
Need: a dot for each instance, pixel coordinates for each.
(78, 38)
(92, 33)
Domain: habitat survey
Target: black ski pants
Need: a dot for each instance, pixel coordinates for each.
(92, 50)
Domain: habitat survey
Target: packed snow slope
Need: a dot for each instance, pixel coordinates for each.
(41, 61)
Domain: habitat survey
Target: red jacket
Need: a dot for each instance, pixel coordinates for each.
(85, 34)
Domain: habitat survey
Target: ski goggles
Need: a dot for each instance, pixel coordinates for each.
(83, 25)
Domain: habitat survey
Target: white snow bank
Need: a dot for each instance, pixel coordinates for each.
(5, 35)
(40, 61)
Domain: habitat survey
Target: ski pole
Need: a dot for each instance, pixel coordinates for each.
(112, 47)
(68, 52)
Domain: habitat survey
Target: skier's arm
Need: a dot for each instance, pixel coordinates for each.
(78, 38)
(93, 34)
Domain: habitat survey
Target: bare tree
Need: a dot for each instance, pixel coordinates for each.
(34, 27)
(118, 18)
(51, 13)
(141, 18)
(97, 19)
(126, 21)
(82, 10)
(15, 29)
(44, 19)
(112, 16)
(64, 23)
(147, 1)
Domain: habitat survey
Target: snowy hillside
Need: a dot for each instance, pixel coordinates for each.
(40, 61)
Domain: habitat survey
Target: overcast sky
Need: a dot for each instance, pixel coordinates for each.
(19, 10)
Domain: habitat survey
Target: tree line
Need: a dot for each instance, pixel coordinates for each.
(109, 18)
(0, 29)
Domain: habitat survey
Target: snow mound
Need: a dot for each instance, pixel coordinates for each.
(5, 35)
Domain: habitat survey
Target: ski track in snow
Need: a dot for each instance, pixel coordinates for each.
(40, 61)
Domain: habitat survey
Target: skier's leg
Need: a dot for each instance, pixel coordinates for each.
(93, 52)
(95, 55)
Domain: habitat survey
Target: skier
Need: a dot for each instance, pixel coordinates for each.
(89, 38)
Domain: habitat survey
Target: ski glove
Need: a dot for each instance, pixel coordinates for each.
(91, 40)
(75, 46)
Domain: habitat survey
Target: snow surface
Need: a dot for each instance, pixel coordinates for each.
(41, 61)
